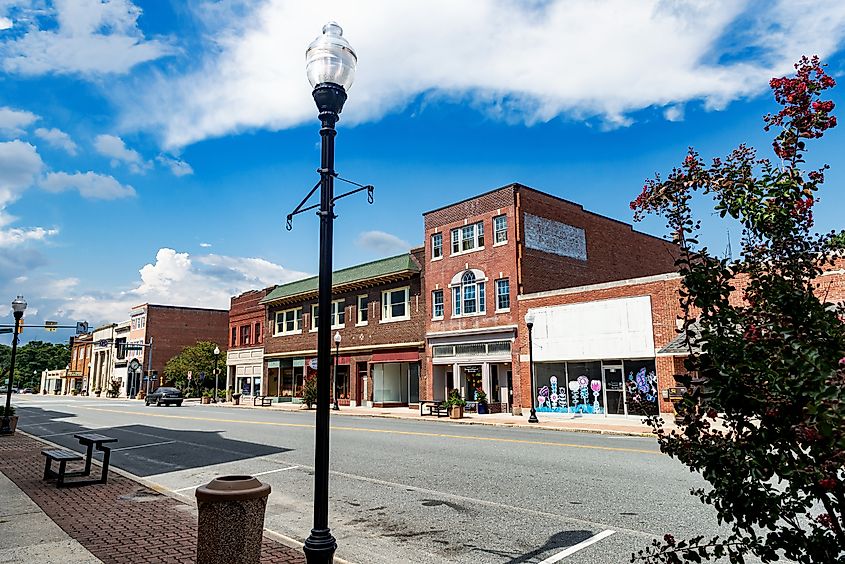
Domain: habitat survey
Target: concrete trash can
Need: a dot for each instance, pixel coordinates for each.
(231, 520)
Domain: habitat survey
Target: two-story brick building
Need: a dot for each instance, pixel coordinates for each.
(80, 363)
(379, 310)
(245, 357)
(484, 252)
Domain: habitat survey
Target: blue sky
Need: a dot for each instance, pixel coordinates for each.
(150, 151)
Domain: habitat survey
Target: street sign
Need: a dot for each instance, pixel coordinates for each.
(81, 327)
(6, 330)
(102, 343)
(312, 364)
(134, 347)
(51, 326)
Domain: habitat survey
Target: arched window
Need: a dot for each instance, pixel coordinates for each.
(468, 295)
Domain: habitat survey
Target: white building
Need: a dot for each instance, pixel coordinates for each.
(102, 359)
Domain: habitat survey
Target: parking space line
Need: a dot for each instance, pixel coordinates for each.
(575, 548)
(142, 446)
(70, 432)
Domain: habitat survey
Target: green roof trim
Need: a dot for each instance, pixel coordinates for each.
(400, 264)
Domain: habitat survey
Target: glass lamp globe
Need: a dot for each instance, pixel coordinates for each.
(18, 304)
(216, 350)
(529, 318)
(337, 338)
(330, 58)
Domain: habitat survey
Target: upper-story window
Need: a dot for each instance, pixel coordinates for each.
(245, 335)
(258, 333)
(288, 322)
(395, 304)
(437, 246)
(503, 294)
(468, 238)
(500, 229)
(437, 304)
(363, 310)
(338, 315)
(468, 296)
(234, 336)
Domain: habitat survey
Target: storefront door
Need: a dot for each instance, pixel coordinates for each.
(472, 381)
(614, 389)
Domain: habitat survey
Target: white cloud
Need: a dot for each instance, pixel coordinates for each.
(13, 121)
(57, 138)
(20, 164)
(516, 61)
(382, 243)
(16, 236)
(88, 184)
(177, 166)
(674, 113)
(5, 23)
(81, 36)
(178, 279)
(205, 245)
(113, 147)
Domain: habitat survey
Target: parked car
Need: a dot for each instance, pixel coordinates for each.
(26, 391)
(164, 396)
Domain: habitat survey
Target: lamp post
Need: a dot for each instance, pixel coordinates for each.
(337, 337)
(18, 307)
(330, 66)
(216, 358)
(529, 321)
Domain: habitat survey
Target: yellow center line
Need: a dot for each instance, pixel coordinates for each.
(383, 431)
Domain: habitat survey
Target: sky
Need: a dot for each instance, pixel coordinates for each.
(150, 150)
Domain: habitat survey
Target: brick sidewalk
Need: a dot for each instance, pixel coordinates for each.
(122, 521)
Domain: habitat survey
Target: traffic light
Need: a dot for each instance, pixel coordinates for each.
(20, 326)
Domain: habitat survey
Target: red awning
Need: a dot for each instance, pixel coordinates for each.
(396, 356)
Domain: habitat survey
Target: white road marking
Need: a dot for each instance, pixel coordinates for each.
(71, 432)
(142, 446)
(575, 548)
(258, 474)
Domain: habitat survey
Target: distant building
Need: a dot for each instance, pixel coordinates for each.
(121, 361)
(102, 363)
(157, 333)
(81, 348)
(245, 355)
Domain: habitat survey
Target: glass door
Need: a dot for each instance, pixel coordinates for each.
(614, 389)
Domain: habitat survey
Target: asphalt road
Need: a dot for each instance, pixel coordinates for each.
(407, 491)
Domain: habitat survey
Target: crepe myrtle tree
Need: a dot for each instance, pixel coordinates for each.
(765, 422)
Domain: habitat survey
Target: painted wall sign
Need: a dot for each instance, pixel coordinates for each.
(555, 237)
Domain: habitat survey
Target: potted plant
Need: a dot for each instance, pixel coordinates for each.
(74, 391)
(309, 391)
(141, 395)
(206, 397)
(481, 398)
(456, 405)
(97, 392)
(114, 388)
(13, 419)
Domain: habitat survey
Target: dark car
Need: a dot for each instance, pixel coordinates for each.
(164, 396)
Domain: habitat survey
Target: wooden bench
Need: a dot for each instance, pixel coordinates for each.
(63, 457)
(262, 401)
(434, 408)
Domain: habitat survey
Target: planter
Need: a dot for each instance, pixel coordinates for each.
(237, 398)
(456, 411)
(483, 409)
(97, 393)
(206, 400)
(13, 422)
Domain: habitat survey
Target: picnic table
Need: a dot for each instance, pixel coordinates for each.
(89, 440)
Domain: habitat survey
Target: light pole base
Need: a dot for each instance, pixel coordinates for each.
(320, 547)
(335, 407)
(533, 417)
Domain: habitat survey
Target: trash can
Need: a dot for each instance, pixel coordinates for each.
(237, 398)
(231, 520)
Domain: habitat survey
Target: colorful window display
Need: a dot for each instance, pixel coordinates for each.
(614, 387)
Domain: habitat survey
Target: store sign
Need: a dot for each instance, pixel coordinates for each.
(312, 364)
(274, 364)
(298, 362)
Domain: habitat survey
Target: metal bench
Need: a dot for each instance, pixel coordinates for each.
(262, 401)
(63, 457)
(434, 408)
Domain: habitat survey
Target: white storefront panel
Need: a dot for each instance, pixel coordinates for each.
(619, 328)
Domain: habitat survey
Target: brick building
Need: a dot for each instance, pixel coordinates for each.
(245, 358)
(157, 333)
(80, 363)
(379, 310)
(483, 252)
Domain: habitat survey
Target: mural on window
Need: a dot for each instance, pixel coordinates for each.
(641, 387)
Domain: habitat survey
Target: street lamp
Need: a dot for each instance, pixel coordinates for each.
(529, 321)
(336, 407)
(216, 358)
(330, 66)
(18, 307)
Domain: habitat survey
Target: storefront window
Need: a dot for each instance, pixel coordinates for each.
(342, 382)
(573, 387)
(641, 387)
(413, 383)
(390, 382)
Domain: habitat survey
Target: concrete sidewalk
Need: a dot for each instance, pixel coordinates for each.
(612, 425)
(27, 534)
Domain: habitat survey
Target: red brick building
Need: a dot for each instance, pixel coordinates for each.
(379, 310)
(482, 253)
(81, 350)
(245, 358)
(159, 332)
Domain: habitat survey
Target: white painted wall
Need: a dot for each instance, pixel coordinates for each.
(608, 329)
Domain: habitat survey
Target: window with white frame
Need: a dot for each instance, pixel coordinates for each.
(437, 304)
(468, 297)
(500, 229)
(503, 294)
(338, 314)
(468, 238)
(289, 322)
(437, 246)
(363, 310)
(315, 316)
(395, 304)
